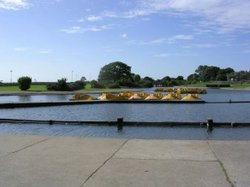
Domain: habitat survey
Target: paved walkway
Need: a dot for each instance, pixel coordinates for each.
(65, 161)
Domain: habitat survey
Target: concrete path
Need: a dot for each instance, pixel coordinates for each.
(27, 161)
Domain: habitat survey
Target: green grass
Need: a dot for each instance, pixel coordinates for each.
(43, 88)
(240, 86)
(199, 84)
(35, 88)
(233, 85)
(9, 88)
(89, 89)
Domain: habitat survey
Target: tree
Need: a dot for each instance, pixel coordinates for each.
(24, 82)
(115, 72)
(83, 79)
(180, 78)
(95, 84)
(207, 73)
(77, 85)
(147, 82)
(136, 77)
(61, 85)
(193, 78)
(165, 81)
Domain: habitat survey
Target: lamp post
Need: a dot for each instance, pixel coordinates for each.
(72, 73)
(11, 76)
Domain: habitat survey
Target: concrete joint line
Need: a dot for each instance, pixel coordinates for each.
(222, 166)
(162, 159)
(28, 146)
(97, 169)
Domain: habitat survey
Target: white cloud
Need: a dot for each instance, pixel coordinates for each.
(73, 30)
(124, 35)
(14, 4)
(168, 40)
(21, 49)
(229, 15)
(216, 15)
(202, 45)
(80, 20)
(79, 30)
(94, 18)
(45, 51)
(163, 55)
(180, 37)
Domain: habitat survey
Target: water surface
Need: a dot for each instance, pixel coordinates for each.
(128, 132)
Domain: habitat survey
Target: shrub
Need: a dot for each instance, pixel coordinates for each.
(146, 84)
(62, 85)
(24, 83)
(51, 86)
(223, 85)
(78, 85)
(95, 84)
(114, 85)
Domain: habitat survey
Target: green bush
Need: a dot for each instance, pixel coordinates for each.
(24, 83)
(223, 85)
(62, 85)
(95, 84)
(146, 84)
(78, 85)
(114, 85)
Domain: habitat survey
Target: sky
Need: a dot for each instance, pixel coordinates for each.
(53, 39)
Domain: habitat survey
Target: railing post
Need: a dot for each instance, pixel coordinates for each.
(210, 124)
(119, 124)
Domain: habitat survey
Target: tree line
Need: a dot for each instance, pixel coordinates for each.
(118, 74)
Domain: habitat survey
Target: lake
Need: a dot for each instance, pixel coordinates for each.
(138, 112)
(133, 112)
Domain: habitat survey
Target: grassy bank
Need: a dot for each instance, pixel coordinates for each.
(240, 85)
(43, 88)
(243, 85)
(35, 88)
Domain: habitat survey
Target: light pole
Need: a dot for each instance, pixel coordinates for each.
(72, 73)
(11, 76)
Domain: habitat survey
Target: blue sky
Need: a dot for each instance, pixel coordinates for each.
(48, 39)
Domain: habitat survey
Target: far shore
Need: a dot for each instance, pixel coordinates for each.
(10, 93)
(23, 93)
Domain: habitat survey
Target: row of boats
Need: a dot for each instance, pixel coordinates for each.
(173, 96)
(182, 90)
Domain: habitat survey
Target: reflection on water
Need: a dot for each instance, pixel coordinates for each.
(135, 112)
(213, 95)
(128, 132)
(34, 98)
(24, 98)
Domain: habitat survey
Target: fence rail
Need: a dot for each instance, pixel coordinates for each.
(120, 123)
(61, 103)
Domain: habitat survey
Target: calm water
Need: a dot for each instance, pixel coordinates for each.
(128, 132)
(136, 112)
(34, 98)
(133, 112)
(213, 95)
(141, 112)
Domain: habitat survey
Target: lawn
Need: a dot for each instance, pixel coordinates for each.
(88, 88)
(35, 88)
(240, 85)
(199, 84)
(233, 85)
(43, 88)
